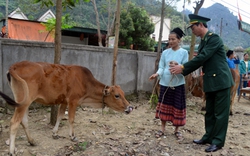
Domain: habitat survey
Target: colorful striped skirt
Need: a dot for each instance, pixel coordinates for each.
(172, 105)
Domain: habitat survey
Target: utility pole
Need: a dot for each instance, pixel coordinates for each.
(6, 19)
(183, 14)
(221, 26)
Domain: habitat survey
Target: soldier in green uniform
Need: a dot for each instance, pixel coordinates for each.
(217, 81)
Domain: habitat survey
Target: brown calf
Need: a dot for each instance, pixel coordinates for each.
(196, 88)
(50, 84)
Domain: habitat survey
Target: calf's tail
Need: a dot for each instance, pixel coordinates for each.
(9, 100)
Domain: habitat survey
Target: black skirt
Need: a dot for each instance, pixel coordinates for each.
(172, 105)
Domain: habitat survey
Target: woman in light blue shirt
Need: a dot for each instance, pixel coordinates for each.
(171, 101)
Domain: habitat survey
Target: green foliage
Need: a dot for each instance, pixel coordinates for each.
(65, 3)
(226, 48)
(50, 25)
(1, 15)
(153, 101)
(176, 21)
(247, 50)
(83, 15)
(105, 5)
(135, 28)
(46, 3)
(226, 27)
(82, 145)
(107, 9)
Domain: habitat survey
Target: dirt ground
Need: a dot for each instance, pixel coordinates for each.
(116, 134)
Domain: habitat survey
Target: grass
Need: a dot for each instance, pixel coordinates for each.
(153, 101)
(81, 146)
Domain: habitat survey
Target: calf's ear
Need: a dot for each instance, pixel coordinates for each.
(107, 91)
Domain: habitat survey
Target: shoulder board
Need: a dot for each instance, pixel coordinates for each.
(210, 34)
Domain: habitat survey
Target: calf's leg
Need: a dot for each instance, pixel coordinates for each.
(233, 94)
(14, 123)
(203, 108)
(24, 123)
(61, 112)
(72, 110)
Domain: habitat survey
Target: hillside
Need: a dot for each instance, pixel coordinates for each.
(83, 15)
(230, 33)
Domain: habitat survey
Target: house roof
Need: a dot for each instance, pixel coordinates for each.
(84, 30)
(18, 14)
(20, 28)
(46, 16)
(28, 30)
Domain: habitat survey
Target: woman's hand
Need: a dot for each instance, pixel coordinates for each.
(153, 76)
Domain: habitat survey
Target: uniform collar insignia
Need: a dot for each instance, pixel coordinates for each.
(206, 36)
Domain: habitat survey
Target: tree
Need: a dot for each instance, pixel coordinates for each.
(136, 27)
(156, 89)
(117, 28)
(193, 38)
(97, 24)
(247, 50)
(108, 9)
(196, 10)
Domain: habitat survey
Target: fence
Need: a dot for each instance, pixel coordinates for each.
(133, 67)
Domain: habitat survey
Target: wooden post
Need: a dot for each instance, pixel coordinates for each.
(57, 57)
(6, 20)
(117, 27)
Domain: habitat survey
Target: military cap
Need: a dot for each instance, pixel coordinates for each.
(196, 19)
(179, 32)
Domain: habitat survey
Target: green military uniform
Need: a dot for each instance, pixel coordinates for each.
(217, 81)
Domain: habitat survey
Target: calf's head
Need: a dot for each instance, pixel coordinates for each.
(114, 98)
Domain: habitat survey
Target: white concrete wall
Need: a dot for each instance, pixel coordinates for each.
(166, 28)
(133, 68)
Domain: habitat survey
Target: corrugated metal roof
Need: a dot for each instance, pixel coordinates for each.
(85, 30)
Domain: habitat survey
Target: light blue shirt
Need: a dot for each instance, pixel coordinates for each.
(168, 55)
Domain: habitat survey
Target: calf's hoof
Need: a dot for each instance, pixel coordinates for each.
(10, 154)
(74, 139)
(32, 142)
(55, 136)
(14, 153)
